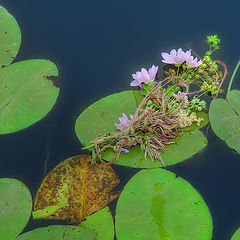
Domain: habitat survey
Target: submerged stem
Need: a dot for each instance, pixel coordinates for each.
(233, 75)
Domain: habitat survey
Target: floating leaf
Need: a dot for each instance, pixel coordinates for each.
(225, 120)
(101, 116)
(58, 232)
(236, 235)
(100, 222)
(233, 98)
(75, 189)
(15, 207)
(155, 204)
(26, 94)
(10, 37)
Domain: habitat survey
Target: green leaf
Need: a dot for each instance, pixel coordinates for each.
(155, 204)
(233, 99)
(26, 94)
(138, 97)
(58, 232)
(100, 222)
(15, 207)
(10, 37)
(236, 235)
(225, 120)
(101, 116)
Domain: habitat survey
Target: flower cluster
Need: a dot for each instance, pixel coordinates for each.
(175, 57)
(179, 56)
(167, 105)
(185, 119)
(144, 76)
(124, 121)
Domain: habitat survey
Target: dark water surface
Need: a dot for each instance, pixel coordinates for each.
(97, 45)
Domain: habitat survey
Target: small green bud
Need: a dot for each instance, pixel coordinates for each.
(207, 59)
(197, 76)
(208, 53)
(184, 66)
(214, 65)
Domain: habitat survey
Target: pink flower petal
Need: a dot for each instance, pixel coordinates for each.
(180, 56)
(153, 72)
(124, 121)
(134, 83)
(173, 53)
(144, 76)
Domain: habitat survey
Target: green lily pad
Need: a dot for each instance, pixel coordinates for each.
(100, 118)
(15, 207)
(58, 232)
(26, 94)
(155, 204)
(10, 37)
(225, 120)
(233, 99)
(101, 223)
(236, 235)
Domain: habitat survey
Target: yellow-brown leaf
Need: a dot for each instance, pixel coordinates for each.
(75, 189)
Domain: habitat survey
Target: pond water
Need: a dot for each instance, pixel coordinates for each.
(97, 45)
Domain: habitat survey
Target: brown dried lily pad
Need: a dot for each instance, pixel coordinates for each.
(75, 189)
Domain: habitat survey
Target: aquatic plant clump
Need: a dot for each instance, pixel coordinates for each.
(167, 106)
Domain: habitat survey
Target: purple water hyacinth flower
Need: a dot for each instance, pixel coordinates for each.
(124, 121)
(176, 57)
(193, 62)
(144, 76)
(124, 151)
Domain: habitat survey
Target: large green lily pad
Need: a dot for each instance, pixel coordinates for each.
(26, 93)
(15, 207)
(155, 204)
(224, 117)
(58, 232)
(236, 235)
(100, 118)
(10, 37)
(101, 223)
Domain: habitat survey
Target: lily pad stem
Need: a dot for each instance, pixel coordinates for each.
(233, 75)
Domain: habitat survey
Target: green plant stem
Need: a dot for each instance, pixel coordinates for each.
(233, 75)
(100, 141)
